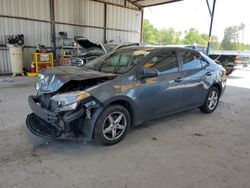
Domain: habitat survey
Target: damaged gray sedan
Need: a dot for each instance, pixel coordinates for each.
(123, 88)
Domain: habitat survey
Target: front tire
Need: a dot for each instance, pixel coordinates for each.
(211, 101)
(112, 125)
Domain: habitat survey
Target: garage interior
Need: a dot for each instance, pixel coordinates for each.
(188, 149)
(41, 21)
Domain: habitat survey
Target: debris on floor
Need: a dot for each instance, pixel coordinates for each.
(153, 138)
(198, 134)
(7, 80)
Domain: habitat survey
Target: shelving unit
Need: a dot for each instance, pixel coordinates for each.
(67, 50)
(42, 60)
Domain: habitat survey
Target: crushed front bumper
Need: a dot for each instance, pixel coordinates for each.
(42, 128)
(48, 124)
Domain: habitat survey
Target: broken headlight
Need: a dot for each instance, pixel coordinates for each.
(41, 80)
(69, 101)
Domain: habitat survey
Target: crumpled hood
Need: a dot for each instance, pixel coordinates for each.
(87, 44)
(91, 49)
(54, 78)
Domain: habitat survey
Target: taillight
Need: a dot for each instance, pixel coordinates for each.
(236, 58)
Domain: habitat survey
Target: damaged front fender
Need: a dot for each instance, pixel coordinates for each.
(89, 124)
(47, 124)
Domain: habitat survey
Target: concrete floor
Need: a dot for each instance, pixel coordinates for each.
(189, 149)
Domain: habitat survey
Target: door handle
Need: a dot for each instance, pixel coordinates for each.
(178, 80)
(208, 74)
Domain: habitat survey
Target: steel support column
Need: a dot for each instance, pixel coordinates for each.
(211, 24)
(53, 26)
(142, 24)
(105, 24)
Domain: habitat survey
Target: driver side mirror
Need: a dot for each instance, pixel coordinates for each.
(147, 73)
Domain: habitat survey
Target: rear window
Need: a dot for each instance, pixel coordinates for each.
(192, 60)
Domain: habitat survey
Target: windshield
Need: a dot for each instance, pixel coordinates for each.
(118, 61)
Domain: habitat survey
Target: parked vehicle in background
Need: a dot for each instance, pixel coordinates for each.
(91, 50)
(242, 60)
(226, 60)
(123, 88)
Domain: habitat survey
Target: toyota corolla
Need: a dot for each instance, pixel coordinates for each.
(104, 98)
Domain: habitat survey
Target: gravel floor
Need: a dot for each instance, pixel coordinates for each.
(189, 149)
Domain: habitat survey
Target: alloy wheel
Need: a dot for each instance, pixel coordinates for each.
(212, 100)
(114, 126)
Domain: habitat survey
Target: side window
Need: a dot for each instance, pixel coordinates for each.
(164, 62)
(191, 60)
(203, 63)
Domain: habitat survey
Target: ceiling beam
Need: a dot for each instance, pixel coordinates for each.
(140, 2)
(134, 3)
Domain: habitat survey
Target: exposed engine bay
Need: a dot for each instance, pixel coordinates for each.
(71, 86)
(82, 85)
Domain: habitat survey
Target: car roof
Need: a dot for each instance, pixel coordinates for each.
(185, 45)
(158, 48)
(120, 43)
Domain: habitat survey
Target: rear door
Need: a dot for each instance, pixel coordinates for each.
(194, 77)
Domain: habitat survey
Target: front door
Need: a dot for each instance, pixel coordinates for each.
(161, 94)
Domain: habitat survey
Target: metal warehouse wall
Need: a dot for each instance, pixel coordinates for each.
(99, 20)
(34, 30)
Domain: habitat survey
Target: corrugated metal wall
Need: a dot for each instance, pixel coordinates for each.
(26, 8)
(35, 32)
(86, 18)
(79, 17)
(128, 21)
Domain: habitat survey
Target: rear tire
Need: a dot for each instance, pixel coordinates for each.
(112, 125)
(228, 72)
(211, 101)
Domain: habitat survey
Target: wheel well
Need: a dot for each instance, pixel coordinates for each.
(218, 87)
(127, 105)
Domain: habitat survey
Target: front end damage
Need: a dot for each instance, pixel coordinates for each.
(63, 104)
(52, 123)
